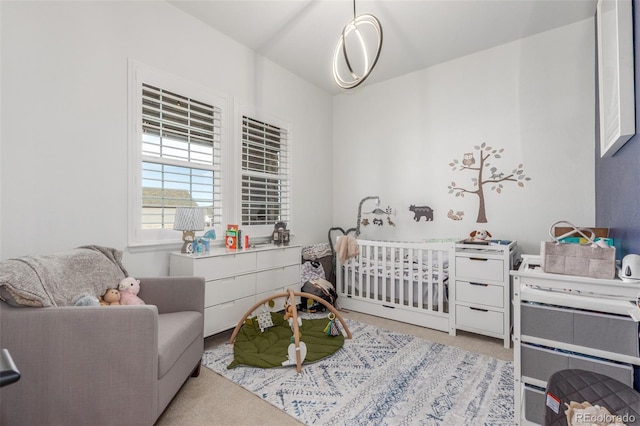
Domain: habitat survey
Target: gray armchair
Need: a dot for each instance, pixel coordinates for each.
(103, 365)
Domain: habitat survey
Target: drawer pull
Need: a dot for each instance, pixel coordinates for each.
(478, 258)
(478, 309)
(480, 284)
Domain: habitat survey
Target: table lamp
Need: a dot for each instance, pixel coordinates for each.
(188, 220)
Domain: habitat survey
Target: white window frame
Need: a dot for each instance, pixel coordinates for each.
(286, 172)
(139, 74)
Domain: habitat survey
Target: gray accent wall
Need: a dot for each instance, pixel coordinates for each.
(618, 178)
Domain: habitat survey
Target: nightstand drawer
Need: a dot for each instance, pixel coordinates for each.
(223, 266)
(278, 257)
(227, 289)
(478, 268)
(477, 293)
(480, 319)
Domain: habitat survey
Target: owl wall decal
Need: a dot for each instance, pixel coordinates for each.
(468, 159)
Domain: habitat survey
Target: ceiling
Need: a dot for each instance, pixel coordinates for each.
(301, 35)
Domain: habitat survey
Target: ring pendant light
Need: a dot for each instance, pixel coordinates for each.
(356, 28)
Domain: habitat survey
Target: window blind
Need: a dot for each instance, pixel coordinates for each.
(181, 157)
(265, 173)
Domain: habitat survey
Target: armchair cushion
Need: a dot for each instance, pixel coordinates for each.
(176, 331)
(58, 279)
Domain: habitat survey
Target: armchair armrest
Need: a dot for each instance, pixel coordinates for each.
(96, 351)
(173, 294)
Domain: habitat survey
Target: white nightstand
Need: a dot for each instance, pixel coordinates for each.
(236, 279)
(483, 290)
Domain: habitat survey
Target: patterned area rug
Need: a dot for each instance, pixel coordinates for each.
(381, 377)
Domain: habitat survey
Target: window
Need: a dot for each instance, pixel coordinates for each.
(265, 173)
(177, 151)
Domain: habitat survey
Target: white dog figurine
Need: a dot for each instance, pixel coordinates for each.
(480, 235)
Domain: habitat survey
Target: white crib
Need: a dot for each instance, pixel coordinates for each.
(403, 281)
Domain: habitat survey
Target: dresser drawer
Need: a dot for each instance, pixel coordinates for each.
(540, 363)
(214, 267)
(278, 304)
(476, 293)
(277, 278)
(480, 319)
(227, 289)
(225, 316)
(478, 268)
(278, 257)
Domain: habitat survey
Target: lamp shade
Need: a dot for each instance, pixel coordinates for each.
(189, 219)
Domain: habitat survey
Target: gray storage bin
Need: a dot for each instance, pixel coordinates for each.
(534, 404)
(540, 363)
(547, 322)
(606, 332)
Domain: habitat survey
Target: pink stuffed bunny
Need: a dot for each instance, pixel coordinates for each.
(129, 288)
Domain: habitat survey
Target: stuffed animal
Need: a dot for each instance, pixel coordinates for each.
(288, 315)
(480, 235)
(86, 299)
(110, 297)
(129, 288)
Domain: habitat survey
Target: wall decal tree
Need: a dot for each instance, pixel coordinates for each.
(486, 175)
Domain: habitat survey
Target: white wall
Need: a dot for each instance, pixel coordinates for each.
(64, 171)
(533, 97)
(63, 174)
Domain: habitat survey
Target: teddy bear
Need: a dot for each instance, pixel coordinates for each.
(129, 288)
(110, 297)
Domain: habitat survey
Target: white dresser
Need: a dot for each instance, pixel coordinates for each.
(236, 279)
(483, 290)
(563, 322)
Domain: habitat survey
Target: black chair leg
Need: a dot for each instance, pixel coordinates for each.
(196, 370)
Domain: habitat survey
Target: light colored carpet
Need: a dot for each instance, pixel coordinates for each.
(211, 399)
